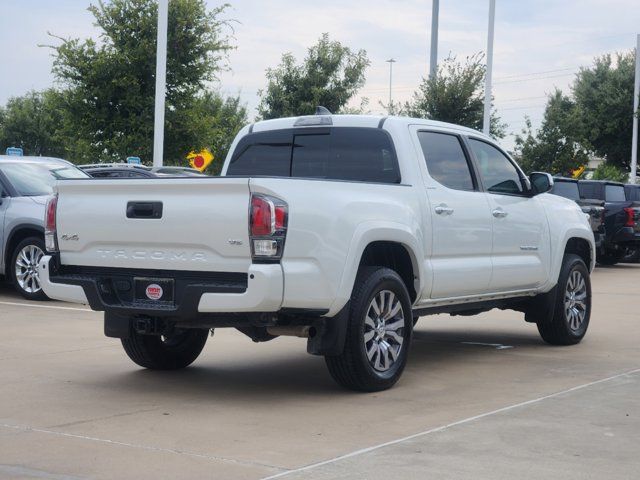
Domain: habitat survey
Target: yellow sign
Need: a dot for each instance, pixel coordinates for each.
(200, 160)
(578, 171)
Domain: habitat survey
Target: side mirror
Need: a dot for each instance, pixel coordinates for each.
(540, 182)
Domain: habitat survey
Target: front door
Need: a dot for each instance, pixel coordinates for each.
(460, 258)
(520, 254)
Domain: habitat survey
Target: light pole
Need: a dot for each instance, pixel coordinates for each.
(486, 123)
(433, 62)
(161, 82)
(634, 138)
(391, 61)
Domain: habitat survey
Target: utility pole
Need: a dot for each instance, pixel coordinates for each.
(161, 82)
(433, 61)
(486, 123)
(391, 61)
(634, 138)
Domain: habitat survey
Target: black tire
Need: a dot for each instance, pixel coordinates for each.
(609, 259)
(178, 350)
(28, 290)
(352, 368)
(632, 255)
(557, 328)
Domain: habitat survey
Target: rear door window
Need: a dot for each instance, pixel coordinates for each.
(446, 161)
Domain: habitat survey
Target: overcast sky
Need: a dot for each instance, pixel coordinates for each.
(539, 44)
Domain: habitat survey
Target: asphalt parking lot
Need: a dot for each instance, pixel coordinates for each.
(482, 397)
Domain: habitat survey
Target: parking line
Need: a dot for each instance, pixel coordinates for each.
(151, 448)
(55, 307)
(446, 427)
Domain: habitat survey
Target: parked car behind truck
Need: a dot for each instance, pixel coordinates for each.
(568, 188)
(622, 219)
(340, 229)
(25, 185)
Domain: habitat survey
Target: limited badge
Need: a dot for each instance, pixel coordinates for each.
(154, 291)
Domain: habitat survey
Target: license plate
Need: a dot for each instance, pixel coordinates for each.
(153, 290)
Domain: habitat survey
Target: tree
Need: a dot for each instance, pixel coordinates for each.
(330, 76)
(456, 95)
(556, 147)
(603, 95)
(31, 122)
(215, 122)
(109, 87)
(607, 171)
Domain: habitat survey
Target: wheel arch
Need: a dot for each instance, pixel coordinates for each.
(395, 245)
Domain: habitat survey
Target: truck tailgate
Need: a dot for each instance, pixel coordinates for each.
(166, 224)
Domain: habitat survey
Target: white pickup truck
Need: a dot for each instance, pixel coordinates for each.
(340, 229)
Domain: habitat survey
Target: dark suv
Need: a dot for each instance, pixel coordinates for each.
(621, 217)
(568, 188)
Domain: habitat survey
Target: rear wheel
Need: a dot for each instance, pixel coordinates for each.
(165, 352)
(378, 333)
(569, 318)
(610, 258)
(24, 268)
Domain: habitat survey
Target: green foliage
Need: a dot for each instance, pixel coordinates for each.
(608, 171)
(109, 86)
(330, 75)
(31, 122)
(555, 147)
(603, 96)
(455, 95)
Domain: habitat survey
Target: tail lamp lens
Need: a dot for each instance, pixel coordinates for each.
(261, 216)
(630, 217)
(268, 227)
(50, 240)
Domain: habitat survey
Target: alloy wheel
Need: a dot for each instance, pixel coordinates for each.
(575, 300)
(26, 268)
(384, 330)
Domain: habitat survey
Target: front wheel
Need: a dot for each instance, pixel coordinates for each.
(378, 333)
(24, 268)
(173, 351)
(569, 318)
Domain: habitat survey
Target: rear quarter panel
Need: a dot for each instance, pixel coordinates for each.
(330, 224)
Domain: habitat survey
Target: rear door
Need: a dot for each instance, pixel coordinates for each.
(461, 219)
(521, 250)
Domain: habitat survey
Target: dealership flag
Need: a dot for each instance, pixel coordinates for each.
(200, 160)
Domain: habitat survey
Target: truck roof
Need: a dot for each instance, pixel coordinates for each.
(369, 121)
(33, 159)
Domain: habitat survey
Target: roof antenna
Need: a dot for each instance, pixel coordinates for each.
(320, 110)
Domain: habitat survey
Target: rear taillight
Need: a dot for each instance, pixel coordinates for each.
(267, 227)
(50, 241)
(630, 217)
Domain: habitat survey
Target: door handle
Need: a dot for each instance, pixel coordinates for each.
(499, 213)
(443, 209)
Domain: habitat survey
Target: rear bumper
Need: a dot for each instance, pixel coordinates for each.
(196, 293)
(627, 235)
(59, 291)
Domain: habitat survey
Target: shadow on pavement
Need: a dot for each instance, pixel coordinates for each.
(299, 375)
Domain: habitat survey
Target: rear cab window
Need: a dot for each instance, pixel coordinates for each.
(614, 193)
(590, 191)
(336, 153)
